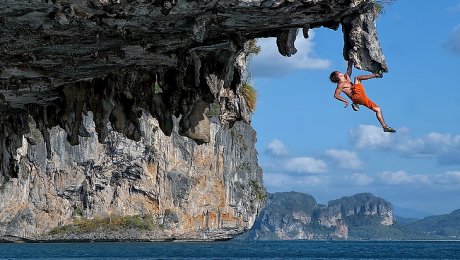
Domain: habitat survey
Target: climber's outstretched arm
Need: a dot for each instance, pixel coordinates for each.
(349, 68)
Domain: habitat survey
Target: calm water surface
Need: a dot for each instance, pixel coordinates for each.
(340, 250)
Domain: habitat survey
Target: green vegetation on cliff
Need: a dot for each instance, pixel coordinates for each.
(250, 96)
(291, 202)
(360, 202)
(370, 228)
(380, 7)
(108, 224)
(247, 90)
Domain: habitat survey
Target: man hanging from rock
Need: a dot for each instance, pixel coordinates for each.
(356, 92)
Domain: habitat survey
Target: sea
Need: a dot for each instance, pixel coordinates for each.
(308, 250)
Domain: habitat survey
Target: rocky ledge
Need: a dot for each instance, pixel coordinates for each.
(135, 108)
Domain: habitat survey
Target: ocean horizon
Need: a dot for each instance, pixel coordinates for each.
(298, 249)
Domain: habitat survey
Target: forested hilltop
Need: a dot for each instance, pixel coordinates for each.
(293, 215)
(444, 226)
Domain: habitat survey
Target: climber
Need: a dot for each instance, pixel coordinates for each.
(356, 92)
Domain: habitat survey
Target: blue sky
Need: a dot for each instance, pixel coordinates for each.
(308, 141)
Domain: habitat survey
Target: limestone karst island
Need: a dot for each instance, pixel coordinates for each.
(125, 120)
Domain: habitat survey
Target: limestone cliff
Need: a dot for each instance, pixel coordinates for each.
(103, 108)
(294, 215)
(207, 192)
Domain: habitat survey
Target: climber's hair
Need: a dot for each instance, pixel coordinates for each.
(334, 78)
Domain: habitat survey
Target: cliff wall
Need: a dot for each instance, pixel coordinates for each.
(103, 108)
(189, 191)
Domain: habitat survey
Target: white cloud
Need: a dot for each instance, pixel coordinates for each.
(395, 178)
(454, 9)
(370, 137)
(444, 147)
(453, 43)
(403, 178)
(305, 165)
(345, 159)
(448, 178)
(282, 163)
(361, 179)
(277, 148)
(270, 63)
(285, 182)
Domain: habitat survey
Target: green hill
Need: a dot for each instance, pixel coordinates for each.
(442, 226)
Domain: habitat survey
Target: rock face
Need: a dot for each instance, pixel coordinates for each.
(293, 215)
(208, 191)
(103, 107)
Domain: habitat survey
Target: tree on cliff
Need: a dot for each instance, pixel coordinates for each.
(380, 7)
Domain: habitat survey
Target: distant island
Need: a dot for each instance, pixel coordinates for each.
(297, 216)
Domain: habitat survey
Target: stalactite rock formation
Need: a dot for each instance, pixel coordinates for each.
(134, 107)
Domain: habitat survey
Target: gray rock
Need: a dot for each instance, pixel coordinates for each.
(103, 108)
(192, 192)
(196, 123)
(361, 43)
